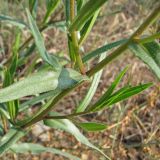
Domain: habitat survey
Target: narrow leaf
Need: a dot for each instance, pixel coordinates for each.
(102, 49)
(87, 27)
(149, 53)
(52, 60)
(51, 6)
(68, 126)
(9, 139)
(96, 78)
(91, 126)
(121, 95)
(85, 14)
(129, 92)
(110, 90)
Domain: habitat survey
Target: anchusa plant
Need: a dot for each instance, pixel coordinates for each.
(52, 80)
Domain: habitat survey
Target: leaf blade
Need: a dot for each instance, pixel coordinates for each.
(92, 126)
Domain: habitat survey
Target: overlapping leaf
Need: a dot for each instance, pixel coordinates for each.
(87, 99)
(68, 126)
(85, 14)
(40, 82)
(111, 97)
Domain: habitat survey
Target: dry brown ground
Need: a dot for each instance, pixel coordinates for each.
(134, 125)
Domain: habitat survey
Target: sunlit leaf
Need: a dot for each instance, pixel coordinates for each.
(51, 6)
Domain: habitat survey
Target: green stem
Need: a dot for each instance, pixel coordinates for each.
(75, 39)
(68, 116)
(122, 48)
(50, 105)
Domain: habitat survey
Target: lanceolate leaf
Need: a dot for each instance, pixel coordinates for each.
(9, 139)
(37, 149)
(120, 95)
(67, 10)
(37, 99)
(110, 90)
(31, 85)
(92, 126)
(68, 126)
(52, 60)
(149, 53)
(102, 49)
(87, 27)
(87, 99)
(51, 6)
(85, 13)
(128, 93)
(40, 82)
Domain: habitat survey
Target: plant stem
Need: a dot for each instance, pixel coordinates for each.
(91, 72)
(122, 48)
(51, 103)
(75, 39)
(68, 116)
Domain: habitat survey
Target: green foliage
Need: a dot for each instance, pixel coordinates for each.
(51, 76)
(10, 138)
(86, 12)
(68, 126)
(149, 53)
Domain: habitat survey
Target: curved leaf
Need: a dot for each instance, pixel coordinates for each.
(36, 149)
(52, 60)
(68, 126)
(85, 13)
(31, 85)
(87, 99)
